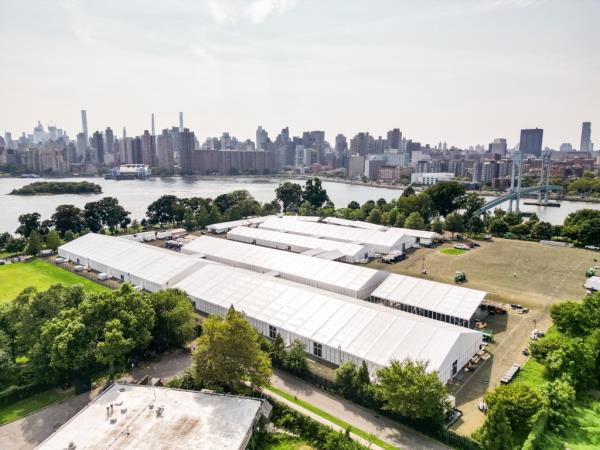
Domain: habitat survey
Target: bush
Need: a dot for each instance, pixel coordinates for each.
(536, 435)
(14, 393)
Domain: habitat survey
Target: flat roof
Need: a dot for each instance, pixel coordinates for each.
(369, 331)
(310, 242)
(189, 419)
(238, 223)
(353, 223)
(443, 298)
(340, 277)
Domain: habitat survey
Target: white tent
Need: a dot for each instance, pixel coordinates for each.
(297, 243)
(354, 223)
(333, 276)
(377, 241)
(223, 227)
(440, 301)
(333, 327)
(143, 265)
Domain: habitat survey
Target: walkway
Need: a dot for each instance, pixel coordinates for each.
(362, 418)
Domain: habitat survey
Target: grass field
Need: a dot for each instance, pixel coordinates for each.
(511, 271)
(345, 425)
(40, 274)
(452, 251)
(31, 404)
(283, 442)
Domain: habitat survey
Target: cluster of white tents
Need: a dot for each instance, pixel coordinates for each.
(304, 298)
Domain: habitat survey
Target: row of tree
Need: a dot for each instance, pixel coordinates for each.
(63, 335)
(58, 187)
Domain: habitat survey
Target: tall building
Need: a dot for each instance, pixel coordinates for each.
(136, 151)
(109, 141)
(187, 143)
(180, 121)
(498, 147)
(341, 143)
(394, 137)
(566, 147)
(84, 125)
(148, 149)
(261, 138)
(586, 137)
(152, 126)
(531, 141)
(98, 146)
(164, 150)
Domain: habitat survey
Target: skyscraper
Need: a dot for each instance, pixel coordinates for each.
(261, 138)
(148, 149)
(341, 143)
(187, 142)
(498, 147)
(152, 126)
(394, 137)
(164, 150)
(84, 127)
(531, 141)
(109, 140)
(586, 137)
(98, 146)
(180, 121)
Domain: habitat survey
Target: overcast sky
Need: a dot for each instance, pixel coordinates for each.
(461, 71)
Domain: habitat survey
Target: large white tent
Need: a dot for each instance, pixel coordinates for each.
(440, 301)
(333, 327)
(378, 241)
(148, 267)
(357, 282)
(296, 243)
(354, 223)
(417, 234)
(223, 227)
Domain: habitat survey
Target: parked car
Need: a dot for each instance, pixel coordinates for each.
(592, 247)
(79, 268)
(59, 260)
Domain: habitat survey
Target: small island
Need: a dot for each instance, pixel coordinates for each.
(58, 187)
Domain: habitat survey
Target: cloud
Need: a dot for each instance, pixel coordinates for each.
(225, 12)
(491, 5)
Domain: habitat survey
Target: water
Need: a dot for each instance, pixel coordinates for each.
(136, 195)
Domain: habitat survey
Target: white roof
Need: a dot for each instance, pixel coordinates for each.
(369, 331)
(238, 223)
(346, 248)
(592, 283)
(354, 223)
(345, 278)
(335, 232)
(423, 234)
(189, 419)
(141, 260)
(443, 298)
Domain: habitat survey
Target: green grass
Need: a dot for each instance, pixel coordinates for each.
(7, 254)
(31, 404)
(332, 419)
(452, 251)
(283, 442)
(40, 274)
(531, 374)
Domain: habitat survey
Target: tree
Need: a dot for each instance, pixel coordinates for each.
(437, 226)
(295, 359)
(408, 191)
(69, 236)
(34, 243)
(454, 223)
(409, 390)
(472, 202)
(374, 216)
(519, 401)
(344, 378)
(228, 354)
(105, 212)
(414, 221)
(68, 218)
(53, 240)
(189, 219)
(542, 230)
(475, 225)
(290, 195)
(202, 217)
(559, 397)
(353, 205)
(214, 215)
(114, 346)
(498, 226)
(400, 220)
(277, 351)
(167, 209)
(314, 193)
(28, 223)
(174, 323)
(496, 433)
(447, 197)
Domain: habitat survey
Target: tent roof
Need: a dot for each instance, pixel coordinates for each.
(366, 330)
(346, 248)
(335, 232)
(354, 223)
(346, 276)
(141, 260)
(439, 297)
(238, 223)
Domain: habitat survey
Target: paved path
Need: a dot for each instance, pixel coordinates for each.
(355, 415)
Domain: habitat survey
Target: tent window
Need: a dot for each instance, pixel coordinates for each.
(454, 368)
(272, 332)
(122, 277)
(317, 349)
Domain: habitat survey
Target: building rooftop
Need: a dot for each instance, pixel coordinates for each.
(146, 417)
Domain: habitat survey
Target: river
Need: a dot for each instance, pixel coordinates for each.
(136, 195)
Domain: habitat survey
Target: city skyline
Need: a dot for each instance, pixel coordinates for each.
(464, 73)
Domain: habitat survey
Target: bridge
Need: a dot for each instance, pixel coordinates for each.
(514, 195)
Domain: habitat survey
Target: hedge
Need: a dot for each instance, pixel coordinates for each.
(540, 420)
(15, 393)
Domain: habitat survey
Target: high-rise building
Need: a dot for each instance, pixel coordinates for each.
(136, 151)
(261, 138)
(341, 143)
(164, 150)
(566, 147)
(148, 149)
(109, 141)
(498, 147)
(98, 146)
(152, 126)
(394, 137)
(531, 141)
(180, 121)
(586, 137)
(187, 143)
(84, 125)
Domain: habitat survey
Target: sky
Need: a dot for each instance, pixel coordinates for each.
(460, 71)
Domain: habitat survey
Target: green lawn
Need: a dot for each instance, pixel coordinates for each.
(345, 425)
(452, 251)
(31, 404)
(531, 374)
(41, 274)
(283, 442)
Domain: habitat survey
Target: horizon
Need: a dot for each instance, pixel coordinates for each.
(464, 73)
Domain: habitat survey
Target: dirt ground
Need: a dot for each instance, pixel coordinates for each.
(528, 273)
